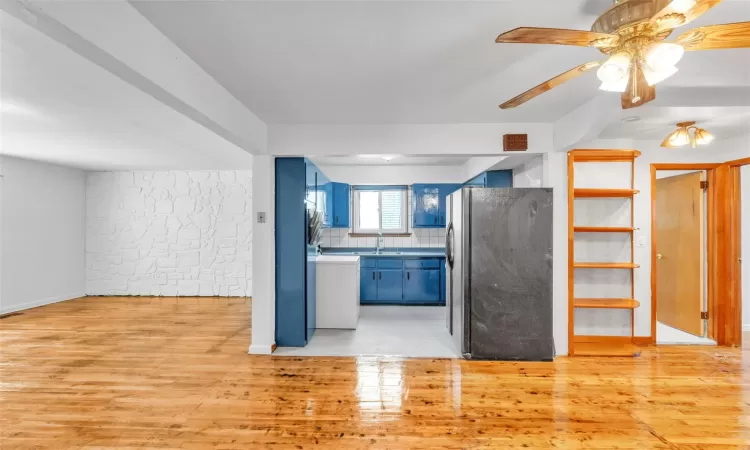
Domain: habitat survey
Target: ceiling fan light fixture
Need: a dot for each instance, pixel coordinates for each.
(661, 56)
(682, 6)
(653, 76)
(615, 86)
(680, 137)
(615, 68)
(703, 137)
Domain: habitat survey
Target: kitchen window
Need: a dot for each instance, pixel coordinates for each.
(380, 209)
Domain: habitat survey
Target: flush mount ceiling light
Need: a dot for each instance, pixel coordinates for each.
(632, 34)
(682, 136)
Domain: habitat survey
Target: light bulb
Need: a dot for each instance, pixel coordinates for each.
(615, 86)
(653, 76)
(680, 137)
(682, 6)
(663, 55)
(703, 137)
(615, 68)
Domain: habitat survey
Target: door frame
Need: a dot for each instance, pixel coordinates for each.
(731, 279)
(711, 242)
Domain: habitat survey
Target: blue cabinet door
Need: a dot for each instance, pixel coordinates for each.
(426, 206)
(445, 191)
(422, 286)
(339, 212)
(368, 285)
(499, 179)
(390, 286)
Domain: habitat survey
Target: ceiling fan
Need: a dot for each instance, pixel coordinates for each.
(632, 32)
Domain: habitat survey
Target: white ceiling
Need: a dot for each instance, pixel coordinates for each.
(407, 62)
(395, 160)
(61, 108)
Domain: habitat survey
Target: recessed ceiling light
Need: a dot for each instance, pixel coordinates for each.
(631, 119)
(387, 158)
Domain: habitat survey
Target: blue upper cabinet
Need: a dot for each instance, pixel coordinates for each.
(478, 181)
(499, 179)
(445, 191)
(492, 179)
(426, 205)
(337, 200)
(428, 209)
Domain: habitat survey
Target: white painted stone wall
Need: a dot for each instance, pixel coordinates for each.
(169, 233)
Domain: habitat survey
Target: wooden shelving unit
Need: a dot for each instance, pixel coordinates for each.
(606, 303)
(587, 345)
(603, 229)
(605, 265)
(604, 193)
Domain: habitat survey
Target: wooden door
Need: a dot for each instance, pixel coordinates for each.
(679, 248)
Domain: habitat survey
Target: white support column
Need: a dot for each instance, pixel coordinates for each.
(264, 257)
(556, 177)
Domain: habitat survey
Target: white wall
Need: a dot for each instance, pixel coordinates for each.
(442, 139)
(169, 233)
(745, 249)
(529, 174)
(395, 174)
(42, 234)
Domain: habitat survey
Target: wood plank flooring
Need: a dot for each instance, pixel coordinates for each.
(125, 373)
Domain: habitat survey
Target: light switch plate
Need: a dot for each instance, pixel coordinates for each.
(261, 217)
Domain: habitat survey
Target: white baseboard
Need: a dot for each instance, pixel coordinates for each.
(260, 349)
(40, 302)
(746, 327)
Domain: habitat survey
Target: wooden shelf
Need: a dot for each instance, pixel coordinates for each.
(617, 193)
(606, 303)
(603, 229)
(607, 349)
(605, 265)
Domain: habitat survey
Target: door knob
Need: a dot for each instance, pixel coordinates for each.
(659, 256)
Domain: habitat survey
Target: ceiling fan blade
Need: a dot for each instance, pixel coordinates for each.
(716, 37)
(674, 15)
(526, 35)
(549, 84)
(642, 91)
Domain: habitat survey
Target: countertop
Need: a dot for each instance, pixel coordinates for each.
(337, 259)
(387, 252)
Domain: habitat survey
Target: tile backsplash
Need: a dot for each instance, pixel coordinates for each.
(420, 237)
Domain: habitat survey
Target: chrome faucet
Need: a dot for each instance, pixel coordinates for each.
(380, 243)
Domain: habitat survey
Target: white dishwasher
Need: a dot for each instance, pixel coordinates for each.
(337, 291)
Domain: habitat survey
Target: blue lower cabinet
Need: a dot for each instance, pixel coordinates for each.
(390, 285)
(422, 286)
(368, 285)
(402, 281)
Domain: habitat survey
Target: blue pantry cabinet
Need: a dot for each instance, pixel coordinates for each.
(337, 205)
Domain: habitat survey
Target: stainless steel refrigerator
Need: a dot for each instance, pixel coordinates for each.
(499, 273)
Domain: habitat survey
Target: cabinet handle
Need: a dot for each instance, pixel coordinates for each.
(435, 220)
(337, 220)
(408, 275)
(380, 275)
(373, 275)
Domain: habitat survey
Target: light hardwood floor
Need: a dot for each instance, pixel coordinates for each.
(167, 373)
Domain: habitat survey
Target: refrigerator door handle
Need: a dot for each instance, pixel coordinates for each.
(449, 245)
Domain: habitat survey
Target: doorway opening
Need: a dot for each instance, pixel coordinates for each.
(682, 295)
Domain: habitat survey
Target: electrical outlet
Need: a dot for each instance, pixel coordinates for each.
(153, 276)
